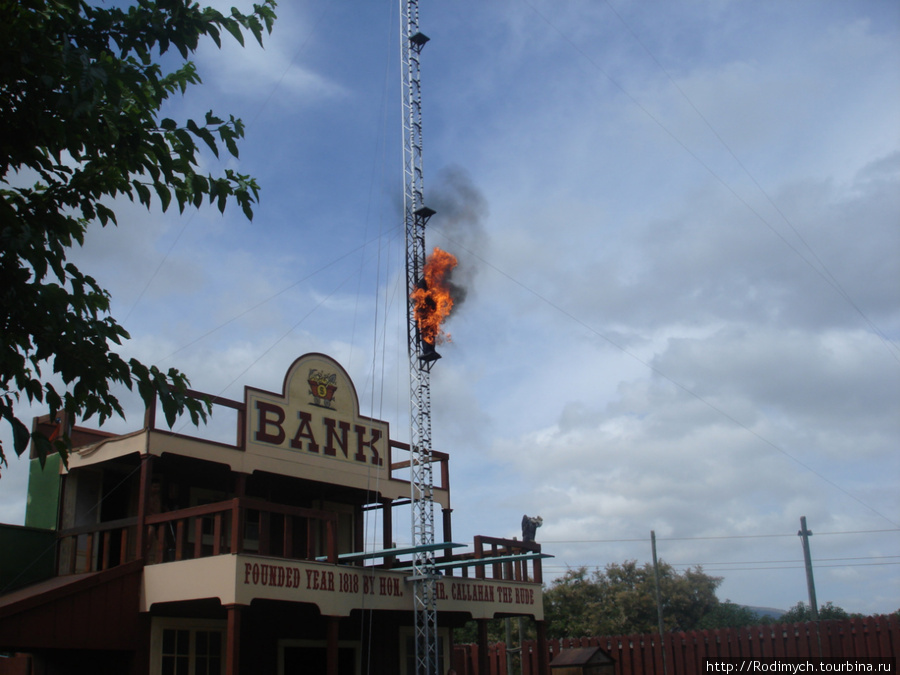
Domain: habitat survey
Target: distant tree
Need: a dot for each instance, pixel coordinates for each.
(572, 603)
(496, 630)
(801, 612)
(80, 95)
(621, 599)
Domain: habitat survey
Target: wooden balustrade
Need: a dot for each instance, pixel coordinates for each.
(201, 531)
(100, 537)
(248, 525)
(507, 570)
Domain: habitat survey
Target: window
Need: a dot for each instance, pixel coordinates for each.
(187, 647)
(208, 652)
(176, 652)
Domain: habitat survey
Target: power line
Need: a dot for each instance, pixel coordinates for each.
(283, 290)
(825, 273)
(581, 322)
(766, 562)
(554, 569)
(776, 562)
(710, 537)
(302, 45)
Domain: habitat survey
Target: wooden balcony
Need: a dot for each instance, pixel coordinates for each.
(275, 531)
(289, 532)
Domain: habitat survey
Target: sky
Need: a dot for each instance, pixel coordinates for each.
(678, 226)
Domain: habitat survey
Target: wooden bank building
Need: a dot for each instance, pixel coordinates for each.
(160, 553)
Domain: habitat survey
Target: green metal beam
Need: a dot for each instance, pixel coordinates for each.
(388, 552)
(482, 561)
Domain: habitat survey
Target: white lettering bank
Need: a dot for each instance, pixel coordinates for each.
(336, 589)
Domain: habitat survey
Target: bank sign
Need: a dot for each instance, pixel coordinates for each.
(315, 423)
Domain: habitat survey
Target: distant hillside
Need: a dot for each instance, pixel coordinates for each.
(770, 612)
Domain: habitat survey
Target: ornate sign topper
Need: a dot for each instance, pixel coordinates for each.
(322, 387)
(315, 422)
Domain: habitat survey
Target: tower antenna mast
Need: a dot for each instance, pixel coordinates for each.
(421, 355)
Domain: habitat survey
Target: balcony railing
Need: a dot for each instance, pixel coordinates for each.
(200, 531)
(97, 547)
(271, 530)
(515, 560)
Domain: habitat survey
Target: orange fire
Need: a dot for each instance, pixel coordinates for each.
(433, 300)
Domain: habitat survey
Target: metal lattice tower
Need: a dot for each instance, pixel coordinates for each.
(421, 359)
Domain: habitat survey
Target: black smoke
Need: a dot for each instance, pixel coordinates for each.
(458, 226)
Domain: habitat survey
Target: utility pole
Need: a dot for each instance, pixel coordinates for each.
(659, 609)
(421, 359)
(805, 534)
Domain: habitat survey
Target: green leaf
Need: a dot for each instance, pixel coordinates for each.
(21, 436)
(165, 196)
(106, 215)
(214, 34)
(233, 28)
(143, 193)
(228, 138)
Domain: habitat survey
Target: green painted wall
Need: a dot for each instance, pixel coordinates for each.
(42, 507)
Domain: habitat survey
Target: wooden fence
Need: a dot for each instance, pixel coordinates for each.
(876, 636)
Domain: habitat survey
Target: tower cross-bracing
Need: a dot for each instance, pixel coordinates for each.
(416, 215)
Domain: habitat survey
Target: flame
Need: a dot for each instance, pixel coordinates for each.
(433, 299)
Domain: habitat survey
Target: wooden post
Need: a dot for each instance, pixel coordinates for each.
(237, 513)
(287, 542)
(123, 546)
(448, 532)
(264, 522)
(331, 646)
(484, 661)
(331, 540)
(179, 539)
(543, 654)
(659, 609)
(805, 533)
(387, 529)
(107, 543)
(89, 553)
(359, 530)
(233, 640)
(198, 537)
(160, 531)
(479, 554)
(150, 414)
(311, 538)
(143, 505)
(217, 533)
(387, 523)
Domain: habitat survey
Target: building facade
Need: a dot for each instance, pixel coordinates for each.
(171, 554)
